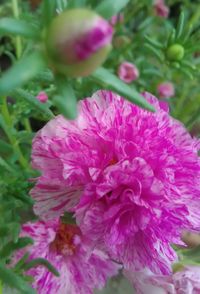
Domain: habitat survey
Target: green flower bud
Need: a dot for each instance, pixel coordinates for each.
(175, 52)
(77, 42)
(120, 41)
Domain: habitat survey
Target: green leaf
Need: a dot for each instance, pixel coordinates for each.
(48, 11)
(41, 261)
(194, 118)
(146, 23)
(153, 42)
(21, 262)
(180, 25)
(26, 199)
(21, 72)
(62, 4)
(45, 76)
(8, 277)
(4, 164)
(5, 147)
(65, 100)
(8, 249)
(22, 94)
(17, 27)
(24, 136)
(191, 255)
(7, 229)
(111, 82)
(155, 51)
(108, 8)
(171, 37)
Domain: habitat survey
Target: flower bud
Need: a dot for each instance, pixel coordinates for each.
(120, 41)
(175, 52)
(42, 97)
(166, 90)
(128, 72)
(78, 41)
(161, 9)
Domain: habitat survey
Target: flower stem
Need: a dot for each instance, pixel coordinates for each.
(18, 48)
(18, 41)
(27, 124)
(1, 287)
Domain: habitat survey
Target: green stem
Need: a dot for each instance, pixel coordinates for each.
(1, 288)
(18, 41)
(10, 135)
(195, 17)
(27, 125)
(180, 104)
(18, 47)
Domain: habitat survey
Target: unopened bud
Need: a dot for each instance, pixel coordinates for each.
(42, 97)
(120, 41)
(166, 90)
(175, 52)
(78, 41)
(128, 72)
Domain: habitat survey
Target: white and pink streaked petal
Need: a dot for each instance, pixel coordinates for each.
(53, 198)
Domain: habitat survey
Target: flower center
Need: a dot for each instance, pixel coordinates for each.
(112, 161)
(64, 242)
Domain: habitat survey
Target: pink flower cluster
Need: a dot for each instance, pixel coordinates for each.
(131, 179)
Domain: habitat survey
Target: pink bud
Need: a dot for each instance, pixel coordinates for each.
(161, 9)
(128, 72)
(166, 90)
(78, 41)
(42, 97)
(116, 19)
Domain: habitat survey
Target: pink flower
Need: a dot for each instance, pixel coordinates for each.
(128, 72)
(131, 176)
(186, 281)
(118, 18)
(166, 90)
(65, 248)
(161, 9)
(42, 97)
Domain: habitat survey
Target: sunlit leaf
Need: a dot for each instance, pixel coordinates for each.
(111, 82)
(108, 8)
(17, 27)
(21, 72)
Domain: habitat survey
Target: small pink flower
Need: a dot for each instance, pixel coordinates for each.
(64, 247)
(42, 97)
(166, 90)
(161, 9)
(186, 281)
(115, 19)
(128, 72)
